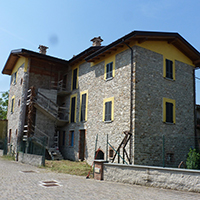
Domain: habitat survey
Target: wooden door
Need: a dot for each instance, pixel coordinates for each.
(82, 145)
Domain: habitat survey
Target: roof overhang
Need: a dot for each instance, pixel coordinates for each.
(15, 54)
(141, 36)
(81, 56)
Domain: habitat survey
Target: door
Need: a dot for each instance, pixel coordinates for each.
(82, 145)
(61, 139)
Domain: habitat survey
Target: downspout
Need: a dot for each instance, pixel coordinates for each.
(131, 105)
(195, 114)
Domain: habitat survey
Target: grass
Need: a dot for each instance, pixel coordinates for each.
(68, 167)
(8, 157)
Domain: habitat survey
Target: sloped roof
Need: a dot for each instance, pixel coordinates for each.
(141, 36)
(15, 54)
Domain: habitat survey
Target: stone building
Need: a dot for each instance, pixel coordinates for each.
(138, 90)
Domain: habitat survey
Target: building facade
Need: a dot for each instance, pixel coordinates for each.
(140, 87)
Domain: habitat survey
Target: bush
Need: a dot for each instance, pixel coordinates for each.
(193, 159)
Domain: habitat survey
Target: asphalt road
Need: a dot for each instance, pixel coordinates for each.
(20, 181)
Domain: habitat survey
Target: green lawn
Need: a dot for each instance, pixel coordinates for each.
(68, 167)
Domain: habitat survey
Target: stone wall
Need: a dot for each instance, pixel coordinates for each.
(30, 159)
(170, 178)
(15, 118)
(92, 79)
(151, 88)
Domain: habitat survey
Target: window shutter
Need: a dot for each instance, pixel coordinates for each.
(169, 69)
(83, 107)
(108, 106)
(73, 109)
(74, 79)
(169, 112)
(109, 70)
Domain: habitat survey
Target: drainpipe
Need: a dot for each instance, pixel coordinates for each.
(195, 117)
(131, 104)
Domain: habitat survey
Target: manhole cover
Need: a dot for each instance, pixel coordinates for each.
(29, 171)
(49, 183)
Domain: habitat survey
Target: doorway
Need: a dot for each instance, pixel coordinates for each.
(82, 145)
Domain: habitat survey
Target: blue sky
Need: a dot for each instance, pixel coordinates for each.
(67, 26)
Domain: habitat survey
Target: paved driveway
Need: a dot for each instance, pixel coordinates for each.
(21, 181)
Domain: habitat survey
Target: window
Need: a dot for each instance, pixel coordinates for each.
(169, 69)
(83, 106)
(109, 70)
(14, 78)
(10, 135)
(108, 109)
(111, 153)
(63, 141)
(169, 110)
(71, 138)
(75, 79)
(73, 108)
(12, 104)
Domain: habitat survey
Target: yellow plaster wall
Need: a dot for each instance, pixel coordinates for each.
(20, 61)
(169, 51)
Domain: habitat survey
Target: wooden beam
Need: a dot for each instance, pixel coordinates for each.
(196, 62)
(172, 41)
(141, 40)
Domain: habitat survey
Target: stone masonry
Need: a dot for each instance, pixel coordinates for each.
(154, 142)
(151, 87)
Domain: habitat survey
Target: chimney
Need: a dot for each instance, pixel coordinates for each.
(43, 49)
(96, 41)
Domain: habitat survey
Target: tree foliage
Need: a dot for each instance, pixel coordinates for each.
(4, 105)
(193, 159)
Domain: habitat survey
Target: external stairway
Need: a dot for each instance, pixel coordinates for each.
(54, 112)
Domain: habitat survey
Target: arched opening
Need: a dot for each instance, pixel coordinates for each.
(100, 155)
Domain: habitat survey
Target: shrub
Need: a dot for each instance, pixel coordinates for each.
(193, 159)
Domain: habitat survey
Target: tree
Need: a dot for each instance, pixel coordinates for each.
(193, 159)
(4, 105)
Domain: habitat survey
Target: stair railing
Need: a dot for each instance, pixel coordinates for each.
(35, 129)
(47, 103)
